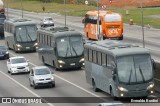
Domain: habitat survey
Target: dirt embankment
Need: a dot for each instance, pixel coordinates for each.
(130, 3)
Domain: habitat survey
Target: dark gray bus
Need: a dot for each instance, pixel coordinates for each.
(20, 34)
(60, 47)
(120, 69)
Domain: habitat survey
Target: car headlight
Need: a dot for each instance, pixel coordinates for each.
(7, 52)
(61, 62)
(82, 60)
(18, 45)
(36, 44)
(122, 89)
(52, 78)
(150, 86)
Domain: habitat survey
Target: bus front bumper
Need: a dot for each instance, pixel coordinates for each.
(140, 93)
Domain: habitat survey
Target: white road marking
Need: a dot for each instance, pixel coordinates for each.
(24, 87)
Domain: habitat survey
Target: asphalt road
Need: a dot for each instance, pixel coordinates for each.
(70, 83)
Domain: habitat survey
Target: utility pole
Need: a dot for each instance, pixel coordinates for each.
(22, 8)
(98, 30)
(65, 13)
(7, 10)
(142, 23)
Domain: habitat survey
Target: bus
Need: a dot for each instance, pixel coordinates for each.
(60, 47)
(110, 25)
(119, 68)
(20, 34)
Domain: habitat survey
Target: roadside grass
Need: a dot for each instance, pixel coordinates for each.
(80, 10)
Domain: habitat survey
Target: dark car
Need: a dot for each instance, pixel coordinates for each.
(4, 54)
(2, 18)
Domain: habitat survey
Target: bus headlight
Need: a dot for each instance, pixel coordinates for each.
(18, 45)
(36, 44)
(122, 89)
(82, 60)
(150, 86)
(61, 62)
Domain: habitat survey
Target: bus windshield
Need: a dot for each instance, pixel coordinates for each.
(70, 46)
(26, 33)
(112, 18)
(134, 69)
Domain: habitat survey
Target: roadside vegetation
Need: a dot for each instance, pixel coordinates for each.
(151, 15)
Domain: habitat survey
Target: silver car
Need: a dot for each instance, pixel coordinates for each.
(111, 104)
(47, 21)
(41, 76)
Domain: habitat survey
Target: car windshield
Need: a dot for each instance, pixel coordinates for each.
(48, 19)
(42, 71)
(18, 60)
(26, 33)
(134, 69)
(3, 48)
(70, 46)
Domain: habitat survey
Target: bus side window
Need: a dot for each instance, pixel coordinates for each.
(90, 55)
(99, 58)
(95, 56)
(104, 59)
(86, 54)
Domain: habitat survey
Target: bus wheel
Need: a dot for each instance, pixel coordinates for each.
(112, 94)
(54, 66)
(8, 46)
(43, 60)
(120, 38)
(94, 86)
(15, 49)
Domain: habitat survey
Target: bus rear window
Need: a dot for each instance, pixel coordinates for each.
(112, 18)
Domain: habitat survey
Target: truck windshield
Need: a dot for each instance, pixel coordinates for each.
(26, 33)
(134, 69)
(70, 46)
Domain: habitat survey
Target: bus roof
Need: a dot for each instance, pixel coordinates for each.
(101, 12)
(19, 21)
(59, 31)
(116, 48)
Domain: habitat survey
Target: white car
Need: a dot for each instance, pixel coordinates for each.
(41, 76)
(47, 21)
(17, 64)
(111, 104)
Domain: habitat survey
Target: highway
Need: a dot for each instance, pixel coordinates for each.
(69, 83)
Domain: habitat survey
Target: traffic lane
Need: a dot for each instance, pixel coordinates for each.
(153, 47)
(133, 31)
(8, 88)
(62, 89)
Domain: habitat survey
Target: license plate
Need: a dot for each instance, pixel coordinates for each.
(27, 47)
(72, 64)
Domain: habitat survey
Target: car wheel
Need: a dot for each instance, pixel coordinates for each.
(30, 83)
(34, 86)
(53, 85)
(94, 86)
(11, 72)
(8, 71)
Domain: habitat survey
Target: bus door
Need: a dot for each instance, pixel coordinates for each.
(112, 26)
